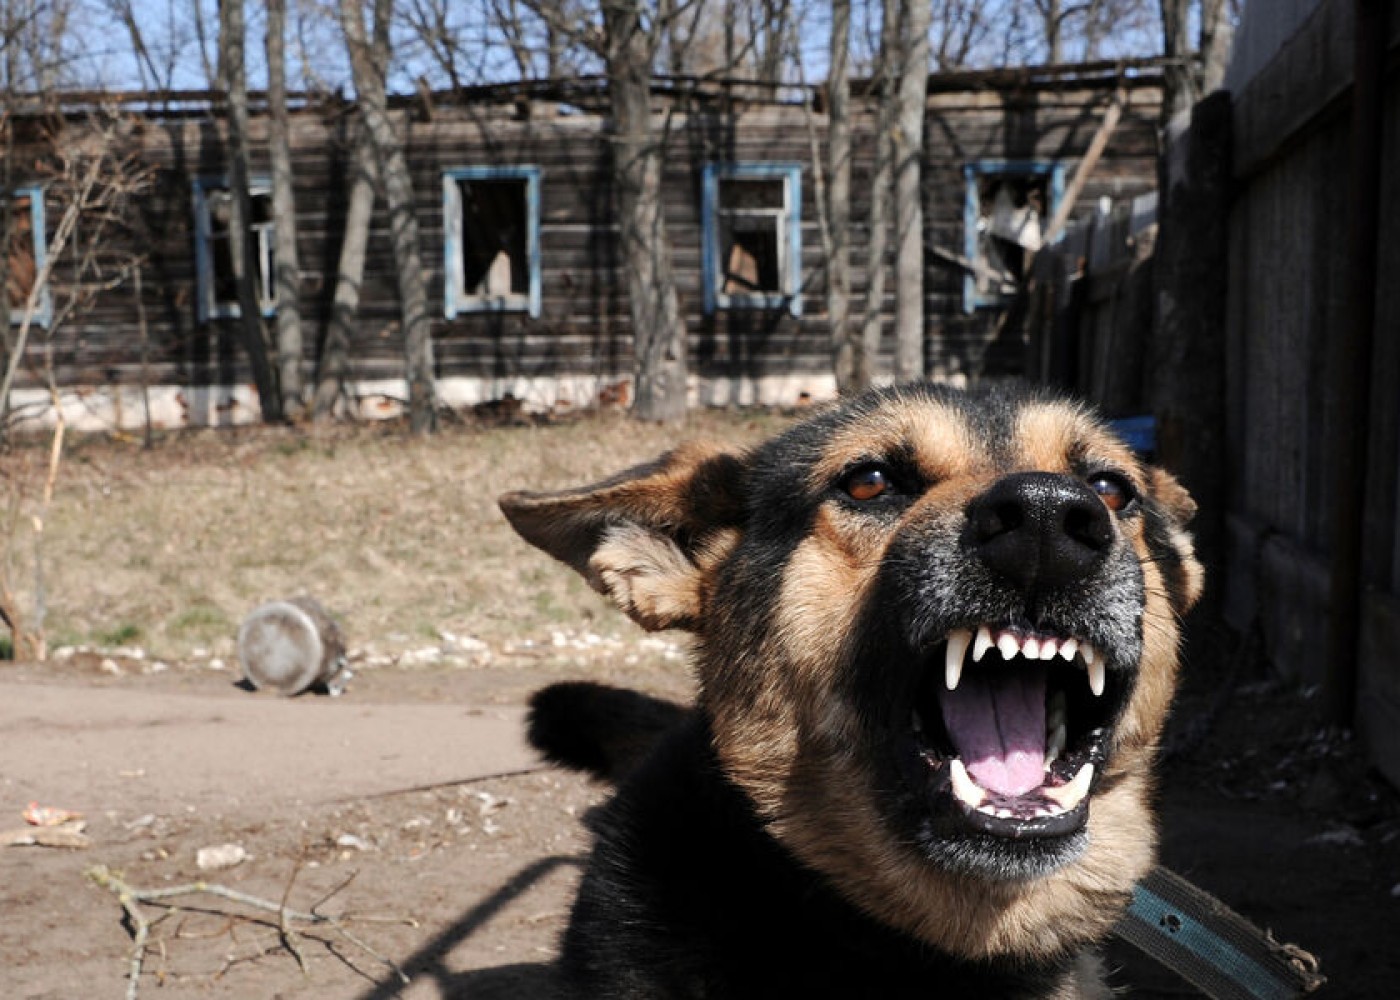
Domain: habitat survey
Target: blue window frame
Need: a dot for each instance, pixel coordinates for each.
(218, 291)
(26, 253)
(752, 236)
(491, 240)
(1005, 210)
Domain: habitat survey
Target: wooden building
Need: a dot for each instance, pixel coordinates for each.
(518, 230)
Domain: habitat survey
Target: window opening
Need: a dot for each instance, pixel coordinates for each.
(752, 220)
(24, 253)
(752, 223)
(491, 217)
(1008, 207)
(218, 285)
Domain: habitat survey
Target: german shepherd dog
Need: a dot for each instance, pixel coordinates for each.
(935, 635)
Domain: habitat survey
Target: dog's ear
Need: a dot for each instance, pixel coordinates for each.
(1171, 495)
(646, 537)
(1184, 568)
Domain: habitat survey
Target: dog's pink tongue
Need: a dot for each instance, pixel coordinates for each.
(999, 728)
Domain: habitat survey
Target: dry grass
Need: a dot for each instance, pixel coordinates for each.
(169, 548)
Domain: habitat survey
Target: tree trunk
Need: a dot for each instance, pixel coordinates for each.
(1217, 33)
(250, 324)
(847, 346)
(7, 334)
(908, 196)
(335, 356)
(1179, 88)
(881, 184)
(1054, 22)
(287, 275)
(658, 332)
(403, 222)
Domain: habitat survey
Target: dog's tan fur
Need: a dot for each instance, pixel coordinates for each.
(783, 733)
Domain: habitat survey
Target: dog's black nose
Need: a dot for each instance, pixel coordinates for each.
(1038, 529)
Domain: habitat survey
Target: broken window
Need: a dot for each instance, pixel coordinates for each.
(218, 287)
(752, 235)
(24, 253)
(491, 226)
(1008, 207)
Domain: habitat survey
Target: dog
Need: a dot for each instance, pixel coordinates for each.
(936, 639)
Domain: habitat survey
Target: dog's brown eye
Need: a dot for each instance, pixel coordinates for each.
(867, 484)
(1115, 494)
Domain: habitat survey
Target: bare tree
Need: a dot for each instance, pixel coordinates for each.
(658, 331)
(959, 27)
(369, 77)
(334, 363)
(881, 185)
(89, 178)
(1217, 32)
(250, 324)
(908, 196)
(287, 270)
(847, 346)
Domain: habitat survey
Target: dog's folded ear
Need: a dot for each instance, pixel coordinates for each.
(1171, 495)
(1185, 576)
(646, 537)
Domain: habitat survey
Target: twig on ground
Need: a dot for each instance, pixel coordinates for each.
(132, 899)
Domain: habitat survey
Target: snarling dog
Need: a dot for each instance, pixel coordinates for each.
(935, 635)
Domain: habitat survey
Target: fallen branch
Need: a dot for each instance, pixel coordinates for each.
(132, 899)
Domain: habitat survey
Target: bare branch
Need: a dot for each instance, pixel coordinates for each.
(132, 899)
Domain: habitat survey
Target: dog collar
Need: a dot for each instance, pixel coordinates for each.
(1202, 940)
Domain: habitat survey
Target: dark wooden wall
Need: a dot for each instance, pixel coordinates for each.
(583, 325)
(1290, 299)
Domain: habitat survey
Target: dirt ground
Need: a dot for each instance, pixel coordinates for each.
(409, 809)
(461, 852)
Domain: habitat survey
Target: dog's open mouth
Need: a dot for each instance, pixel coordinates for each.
(1013, 724)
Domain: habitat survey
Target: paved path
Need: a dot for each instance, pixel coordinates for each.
(106, 748)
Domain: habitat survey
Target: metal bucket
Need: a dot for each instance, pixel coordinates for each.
(291, 646)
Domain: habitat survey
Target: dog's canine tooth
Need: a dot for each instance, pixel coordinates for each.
(963, 786)
(1097, 676)
(982, 643)
(807, 611)
(1070, 795)
(958, 641)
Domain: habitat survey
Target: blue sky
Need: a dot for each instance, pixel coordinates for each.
(316, 51)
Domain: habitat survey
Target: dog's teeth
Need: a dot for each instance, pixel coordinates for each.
(981, 644)
(1030, 649)
(1070, 795)
(958, 641)
(1097, 676)
(1048, 648)
(1008, 646)
(1088, 653)
(963, 786)
(1068, 648)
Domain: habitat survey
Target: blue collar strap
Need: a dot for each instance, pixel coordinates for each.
(1210, 946)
